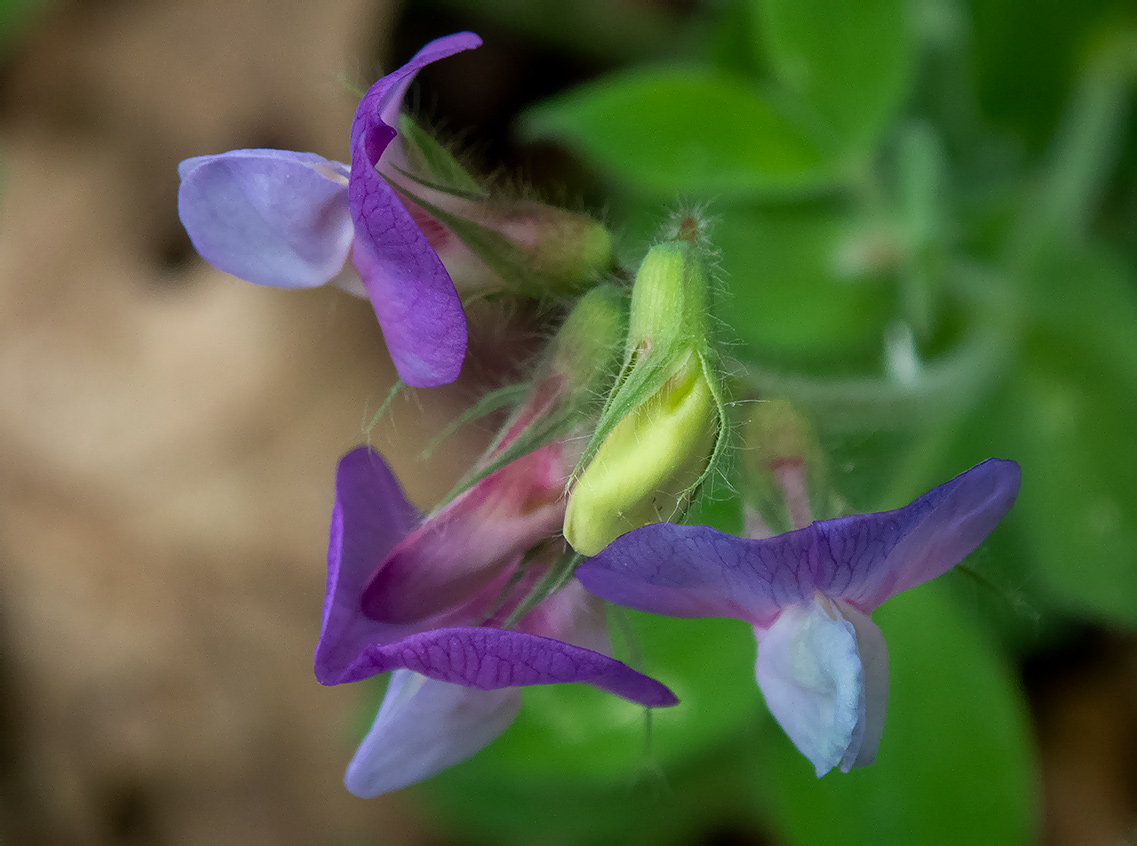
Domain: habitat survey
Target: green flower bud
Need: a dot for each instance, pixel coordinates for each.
(648, 464)
(565, 249)
(492, 245)
(661, 431)
(584, 351)
(669, 300)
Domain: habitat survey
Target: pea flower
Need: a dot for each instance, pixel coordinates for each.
(822, 663)
(426, 600)
(291, 220)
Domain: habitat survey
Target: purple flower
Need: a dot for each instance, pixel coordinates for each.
(822, 663)
(423, 598)
(291, 220)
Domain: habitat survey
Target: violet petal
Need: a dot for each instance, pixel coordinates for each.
(272, 217)
(414, 300)
(491, 659)
(369, 517)
(868, 558)
(381, 102)
(696, 571)
(423, 727)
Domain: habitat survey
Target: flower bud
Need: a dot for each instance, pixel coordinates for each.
(489, 245)
(584, 350)
(669, 299)
(661, 430)
(648, 464)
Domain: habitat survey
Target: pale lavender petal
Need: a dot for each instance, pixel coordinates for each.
(410, 290)
(272, 217)
(490, 659)
(423, 727)
(809, 671)
(696, 571)
(369, 517)
(869, 557)
(874, 667)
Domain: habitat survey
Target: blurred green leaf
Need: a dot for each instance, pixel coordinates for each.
(1074, 434)
(15, 17)
(568, 733)
(851, 61)
(678, 807)
(575, 747)
(668, 130)
(955, 764)
(1025, 54)
(1069, 419)
(788, 301)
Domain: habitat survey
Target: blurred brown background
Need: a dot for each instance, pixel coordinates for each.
(168, 436)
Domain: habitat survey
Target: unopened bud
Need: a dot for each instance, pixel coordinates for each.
(669, 299)
(648, 464)
(493, 245)
(585, 349)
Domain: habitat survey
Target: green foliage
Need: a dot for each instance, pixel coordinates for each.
(15, 17)
(918, 224)
(1070, 415)
(849, 62)
(671, 130)
(575, 748)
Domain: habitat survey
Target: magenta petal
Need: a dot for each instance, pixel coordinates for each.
(491, 659)
(370, 516)
(470, 544)
(423, 727)
(272, 217)
(696, 571)
(871, 557)
(410, 290)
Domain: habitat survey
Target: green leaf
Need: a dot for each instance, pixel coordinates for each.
(852, 61)
(789, 304)
(1069, 420)
(1073, 433)
(576, 747)
(575, 733)
(955, 764)
(684, 130)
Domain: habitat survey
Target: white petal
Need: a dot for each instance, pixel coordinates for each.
(874, 669)
(809, 671)
(423, 727)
